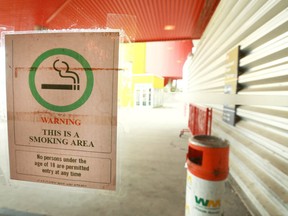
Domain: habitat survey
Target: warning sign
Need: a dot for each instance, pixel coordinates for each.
(62, 107)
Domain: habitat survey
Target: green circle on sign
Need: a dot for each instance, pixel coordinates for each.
(89, 75)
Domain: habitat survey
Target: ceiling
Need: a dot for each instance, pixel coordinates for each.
(142, 20)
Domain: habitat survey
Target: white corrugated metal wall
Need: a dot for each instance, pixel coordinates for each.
(259, 140)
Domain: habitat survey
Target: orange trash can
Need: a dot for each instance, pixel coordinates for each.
(207, 170)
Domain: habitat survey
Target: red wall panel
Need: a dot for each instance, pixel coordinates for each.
(166, 59)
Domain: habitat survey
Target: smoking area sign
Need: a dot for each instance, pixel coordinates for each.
(62, 107)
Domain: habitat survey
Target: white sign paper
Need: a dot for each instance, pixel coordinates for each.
(62, 107)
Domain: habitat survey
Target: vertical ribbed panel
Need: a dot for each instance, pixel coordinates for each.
(141, 20)
(259, 140)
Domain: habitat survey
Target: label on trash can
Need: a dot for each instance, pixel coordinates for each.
(62, 107)
(203, 197)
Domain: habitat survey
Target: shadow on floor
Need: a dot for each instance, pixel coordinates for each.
(11, 212)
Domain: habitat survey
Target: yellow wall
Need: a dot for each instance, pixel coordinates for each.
(136, 53)
(156, 81)
(133, 64)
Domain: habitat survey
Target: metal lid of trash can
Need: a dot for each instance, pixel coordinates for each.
(209, 141)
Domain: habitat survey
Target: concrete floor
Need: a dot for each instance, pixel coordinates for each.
(151, 177)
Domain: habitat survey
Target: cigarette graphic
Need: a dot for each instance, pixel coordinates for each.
(60, 87)
(74, 76)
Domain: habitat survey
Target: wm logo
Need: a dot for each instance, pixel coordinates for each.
(207, 203)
